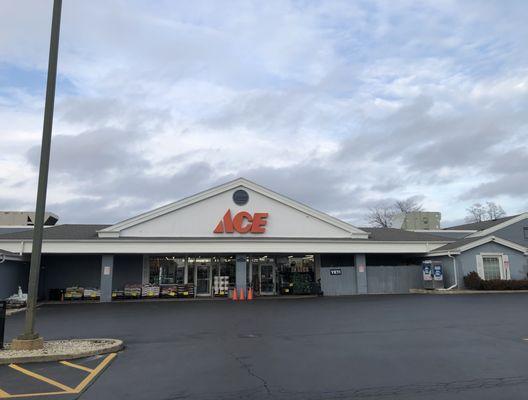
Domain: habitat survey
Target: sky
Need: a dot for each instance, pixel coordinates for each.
(342, 105)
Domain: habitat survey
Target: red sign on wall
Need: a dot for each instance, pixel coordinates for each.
(242, 222)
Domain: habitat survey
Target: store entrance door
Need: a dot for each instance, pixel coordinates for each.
(267, 279)
(203, 280)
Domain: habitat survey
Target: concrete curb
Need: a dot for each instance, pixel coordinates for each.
(455, 292)
(116, 346)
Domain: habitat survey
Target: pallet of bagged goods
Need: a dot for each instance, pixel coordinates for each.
(150, 291)
(74, 293)
(91, 294)
(169, 291)
(185, 290)
(118, 294)
(132, 291)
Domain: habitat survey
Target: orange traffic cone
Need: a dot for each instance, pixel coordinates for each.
(242, 294)
(250, 294)
(235, 296)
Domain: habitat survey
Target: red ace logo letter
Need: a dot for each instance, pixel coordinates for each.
(242, 222)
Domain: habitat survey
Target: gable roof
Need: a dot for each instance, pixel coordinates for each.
(480, 226)
(83, 232)
(113, 231)
(469, 243)
(59, 232)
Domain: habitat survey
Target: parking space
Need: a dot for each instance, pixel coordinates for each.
(463, 347)
(64, 379)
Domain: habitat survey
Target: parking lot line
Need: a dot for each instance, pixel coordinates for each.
(42, 378)
(81, 367)
(89, 378)
(18, 396)
(95, 372)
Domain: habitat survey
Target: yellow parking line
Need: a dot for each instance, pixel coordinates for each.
(42, 378)
(82, 367)
(94, 373)
(3, 394)
(17, 396)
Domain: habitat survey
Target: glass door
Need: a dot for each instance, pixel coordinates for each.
(203, 278)
(267, 279)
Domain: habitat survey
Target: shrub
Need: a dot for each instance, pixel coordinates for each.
(474, 282)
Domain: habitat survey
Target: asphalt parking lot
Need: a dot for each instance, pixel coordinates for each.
(362, 347)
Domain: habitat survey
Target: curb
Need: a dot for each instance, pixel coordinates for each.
(455, 292)
(118, 345)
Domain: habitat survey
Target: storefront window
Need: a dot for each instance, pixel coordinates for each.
(167, 270)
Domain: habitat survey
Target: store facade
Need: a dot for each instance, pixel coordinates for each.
(237, 235)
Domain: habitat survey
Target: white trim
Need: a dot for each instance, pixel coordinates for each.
(500, 257)
(480, 242)
(502, 225)
(480, 266)
(113, 231)
(225, 246)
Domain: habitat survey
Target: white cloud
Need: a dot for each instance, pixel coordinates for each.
(338, 104)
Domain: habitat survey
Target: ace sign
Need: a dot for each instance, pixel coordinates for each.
(242, 222)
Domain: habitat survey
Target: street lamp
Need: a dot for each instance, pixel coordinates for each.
(30, 340)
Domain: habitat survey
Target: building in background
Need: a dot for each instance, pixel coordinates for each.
(25, 218)
(417, 220)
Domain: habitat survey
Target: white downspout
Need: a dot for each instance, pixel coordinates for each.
(455, 271)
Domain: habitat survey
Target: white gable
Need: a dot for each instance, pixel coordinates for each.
(199, 215)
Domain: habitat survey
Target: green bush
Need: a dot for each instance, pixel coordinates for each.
(474, 282)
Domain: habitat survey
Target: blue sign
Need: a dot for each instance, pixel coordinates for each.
(427, 270)
(437, 272)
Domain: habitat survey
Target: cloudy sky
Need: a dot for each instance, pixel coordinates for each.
(342, 105)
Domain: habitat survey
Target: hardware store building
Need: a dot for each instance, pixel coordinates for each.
(239, 235)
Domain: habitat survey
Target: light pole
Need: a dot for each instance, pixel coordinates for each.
(30, 339)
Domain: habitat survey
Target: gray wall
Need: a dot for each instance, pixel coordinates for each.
(514, 233)
(12, 275)
(339, 285)
(467, 262)
(61, 271)
(393, 279)
(127, 269)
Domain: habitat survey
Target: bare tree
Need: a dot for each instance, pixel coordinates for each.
(494, 210)
(381, 216)
(408, 205)
(478, 212)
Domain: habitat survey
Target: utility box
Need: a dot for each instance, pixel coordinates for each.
(427, 274)
(438, 275)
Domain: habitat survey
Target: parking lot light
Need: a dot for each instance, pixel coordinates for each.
(30, 339)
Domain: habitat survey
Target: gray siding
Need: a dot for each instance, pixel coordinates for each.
(339, 285)
(394, 279)
(467, 262)
(514, 233)
(12, 275)
(61, 271)
(127, 269)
